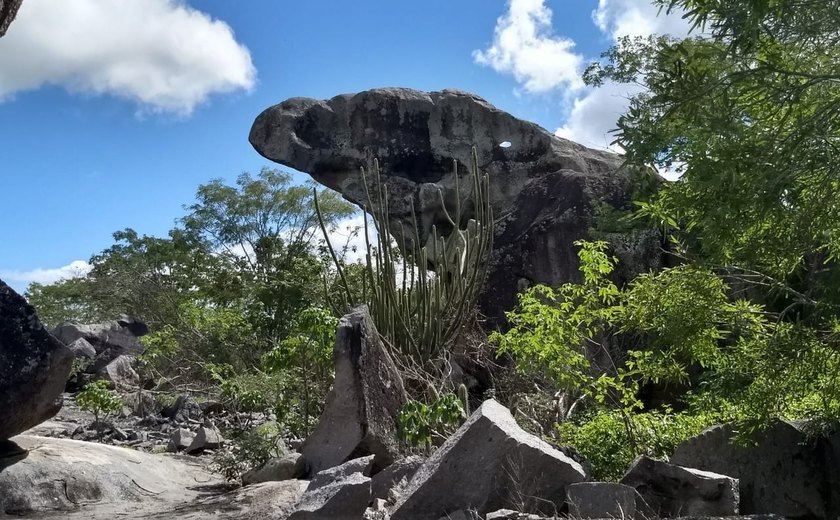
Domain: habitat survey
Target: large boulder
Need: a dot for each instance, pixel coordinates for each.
(784, 471)
(489, 463)
(110, 338)
(544, 190)
(8, 11)
(328, 499)
(601, 500)
(33, 366)
(360, 415)
(667, 490)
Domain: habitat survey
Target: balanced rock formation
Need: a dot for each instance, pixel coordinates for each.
(544, 190)
(360, 415)
(8, 11)
(33, 366)
(489, 463)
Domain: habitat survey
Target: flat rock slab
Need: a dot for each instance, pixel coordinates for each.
(489, 463)
(63, 477)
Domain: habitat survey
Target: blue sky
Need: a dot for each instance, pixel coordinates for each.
(112, 112)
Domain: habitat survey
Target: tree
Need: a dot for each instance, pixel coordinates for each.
(266, 228)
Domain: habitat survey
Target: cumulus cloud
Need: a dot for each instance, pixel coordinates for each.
(161, 54)
(525, 46)
(527, 26)
(75, 269)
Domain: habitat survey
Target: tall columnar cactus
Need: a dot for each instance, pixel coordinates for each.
(464, 396)
(420, 312)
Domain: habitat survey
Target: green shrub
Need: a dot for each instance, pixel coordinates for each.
(248, 449)
(98, 399)
(423, 425)
(611, 440)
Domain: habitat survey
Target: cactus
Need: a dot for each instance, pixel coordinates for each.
(464, 396)
(421, 317)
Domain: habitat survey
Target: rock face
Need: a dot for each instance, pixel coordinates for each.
(67, 475)
(543, 188)
(785, 473)
(361, 410)
(488, 464)
(346, 497)
(601, 500)
(33, 366)
(8, 11)
(667, 490)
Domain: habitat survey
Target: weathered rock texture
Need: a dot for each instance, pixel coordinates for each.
(785, 472)
(543, 188)
(33, 366)
(342, 499)
(8, 11)
(362, 407)
(668, 490)
(601, 500)
(67, 475)
(488, 464)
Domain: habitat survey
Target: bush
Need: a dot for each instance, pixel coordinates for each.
(611, 440)
(96, 398)
(248, 449)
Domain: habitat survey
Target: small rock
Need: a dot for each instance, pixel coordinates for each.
(361, 465)
(82, 349)
(601, 500)
(668, 490)
(285, 467)
(207, 438)
(180, 439)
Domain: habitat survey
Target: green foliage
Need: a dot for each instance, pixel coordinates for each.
(611, 440)
(248, 449)
(422, 425)
(95, 397)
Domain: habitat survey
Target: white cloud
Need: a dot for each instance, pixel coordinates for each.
(75, 269)
(162, 54)
(525, 46)
(595, 112)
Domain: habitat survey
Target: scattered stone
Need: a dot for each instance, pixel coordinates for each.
(33, 366)
(668, 490)
(207, 438)
(286, 467)
(120, 373)
(601, 500)
(489, 463)
(362, 465)
(82, 349)
(346, 498)
(360, 414)
(543, 188)
(181, 439)
(141, 403)
(784, 472)
(383, 482)
(182, 410)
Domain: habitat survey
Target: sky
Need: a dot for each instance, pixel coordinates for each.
(113, 112)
